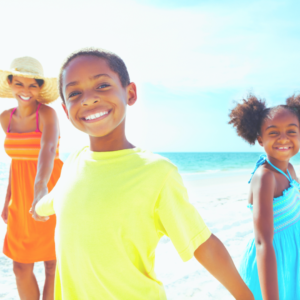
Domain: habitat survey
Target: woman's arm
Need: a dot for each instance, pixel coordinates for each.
(4, 120)
(213, 255)
(263, 186)
(47, 154)
(4, 213)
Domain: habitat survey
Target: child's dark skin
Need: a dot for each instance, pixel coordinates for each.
(280, 137)
(95, 103)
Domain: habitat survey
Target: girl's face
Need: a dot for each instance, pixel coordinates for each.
(25, 90)
(95, 100)
(280, 135)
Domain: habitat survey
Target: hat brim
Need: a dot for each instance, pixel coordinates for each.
(48, 93)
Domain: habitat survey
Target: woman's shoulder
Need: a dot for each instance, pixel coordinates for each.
(48, 116)
(46, 111)
(5, 117)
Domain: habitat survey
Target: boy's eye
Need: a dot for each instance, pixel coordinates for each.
(103, 85)
(272, 132)
(73, 94)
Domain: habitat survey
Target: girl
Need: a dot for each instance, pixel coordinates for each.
(271, 264)
(32, 134)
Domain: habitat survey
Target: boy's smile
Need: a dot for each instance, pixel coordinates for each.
(95, 100)
(95, 116)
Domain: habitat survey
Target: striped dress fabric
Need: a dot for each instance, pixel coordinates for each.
(286, 243)
(25, 146)
(286, 208)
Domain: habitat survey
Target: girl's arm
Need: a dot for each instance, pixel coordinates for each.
(4, 213)
(213, 255)
(46, 157)
(263, 186)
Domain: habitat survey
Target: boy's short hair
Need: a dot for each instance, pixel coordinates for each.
(115, 63)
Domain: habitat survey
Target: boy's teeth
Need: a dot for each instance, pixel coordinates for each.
(95, 116)
(283, 147)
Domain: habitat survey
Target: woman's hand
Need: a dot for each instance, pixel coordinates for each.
(4, 214)
(40, 192)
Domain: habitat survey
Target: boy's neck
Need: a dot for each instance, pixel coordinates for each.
(114, 141)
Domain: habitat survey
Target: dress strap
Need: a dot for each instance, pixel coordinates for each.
(8, 129)
(280, 171)
(262, 159)
(37, 118)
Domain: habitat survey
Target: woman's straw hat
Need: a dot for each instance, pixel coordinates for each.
(31, 68)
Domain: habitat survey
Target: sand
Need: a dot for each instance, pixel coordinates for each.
(221, 200)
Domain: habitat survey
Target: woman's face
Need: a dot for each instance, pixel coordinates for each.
(25, 90)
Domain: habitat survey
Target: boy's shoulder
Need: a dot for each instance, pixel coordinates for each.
(156, 160)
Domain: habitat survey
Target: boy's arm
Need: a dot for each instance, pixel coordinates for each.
(215, 258)
(263, 186)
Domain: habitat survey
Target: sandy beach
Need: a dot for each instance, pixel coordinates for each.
(221, 200)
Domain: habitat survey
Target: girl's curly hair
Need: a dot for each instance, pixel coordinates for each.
(247, 117)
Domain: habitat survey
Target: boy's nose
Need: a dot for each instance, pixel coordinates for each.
(89, 99)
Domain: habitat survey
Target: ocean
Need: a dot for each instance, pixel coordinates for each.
(189, 163)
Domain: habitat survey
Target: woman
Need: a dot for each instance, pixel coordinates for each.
(32, 140)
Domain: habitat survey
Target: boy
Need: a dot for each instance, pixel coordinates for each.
(114, 201)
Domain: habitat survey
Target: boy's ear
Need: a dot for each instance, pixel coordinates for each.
(259, 139)
(65, 109)
(131, 93)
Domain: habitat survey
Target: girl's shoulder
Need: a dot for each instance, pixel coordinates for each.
(263, 176)
(292, 172)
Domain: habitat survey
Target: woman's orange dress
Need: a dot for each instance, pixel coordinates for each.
(26, 240)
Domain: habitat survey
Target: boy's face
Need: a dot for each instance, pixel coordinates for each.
(95, 100)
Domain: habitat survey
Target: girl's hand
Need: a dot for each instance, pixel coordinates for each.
(4, 214)
(40, 192)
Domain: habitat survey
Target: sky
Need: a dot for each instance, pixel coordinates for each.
(191, 60)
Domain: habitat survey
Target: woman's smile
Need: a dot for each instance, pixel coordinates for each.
(24, 98)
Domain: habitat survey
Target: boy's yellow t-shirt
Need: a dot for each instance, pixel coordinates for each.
(112, 208)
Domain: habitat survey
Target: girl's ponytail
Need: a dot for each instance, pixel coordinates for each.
(247, 118)
(293, 103)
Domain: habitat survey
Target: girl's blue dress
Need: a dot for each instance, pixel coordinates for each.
(286, 242)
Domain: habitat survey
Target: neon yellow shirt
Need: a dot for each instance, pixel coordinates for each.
(112, 208)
